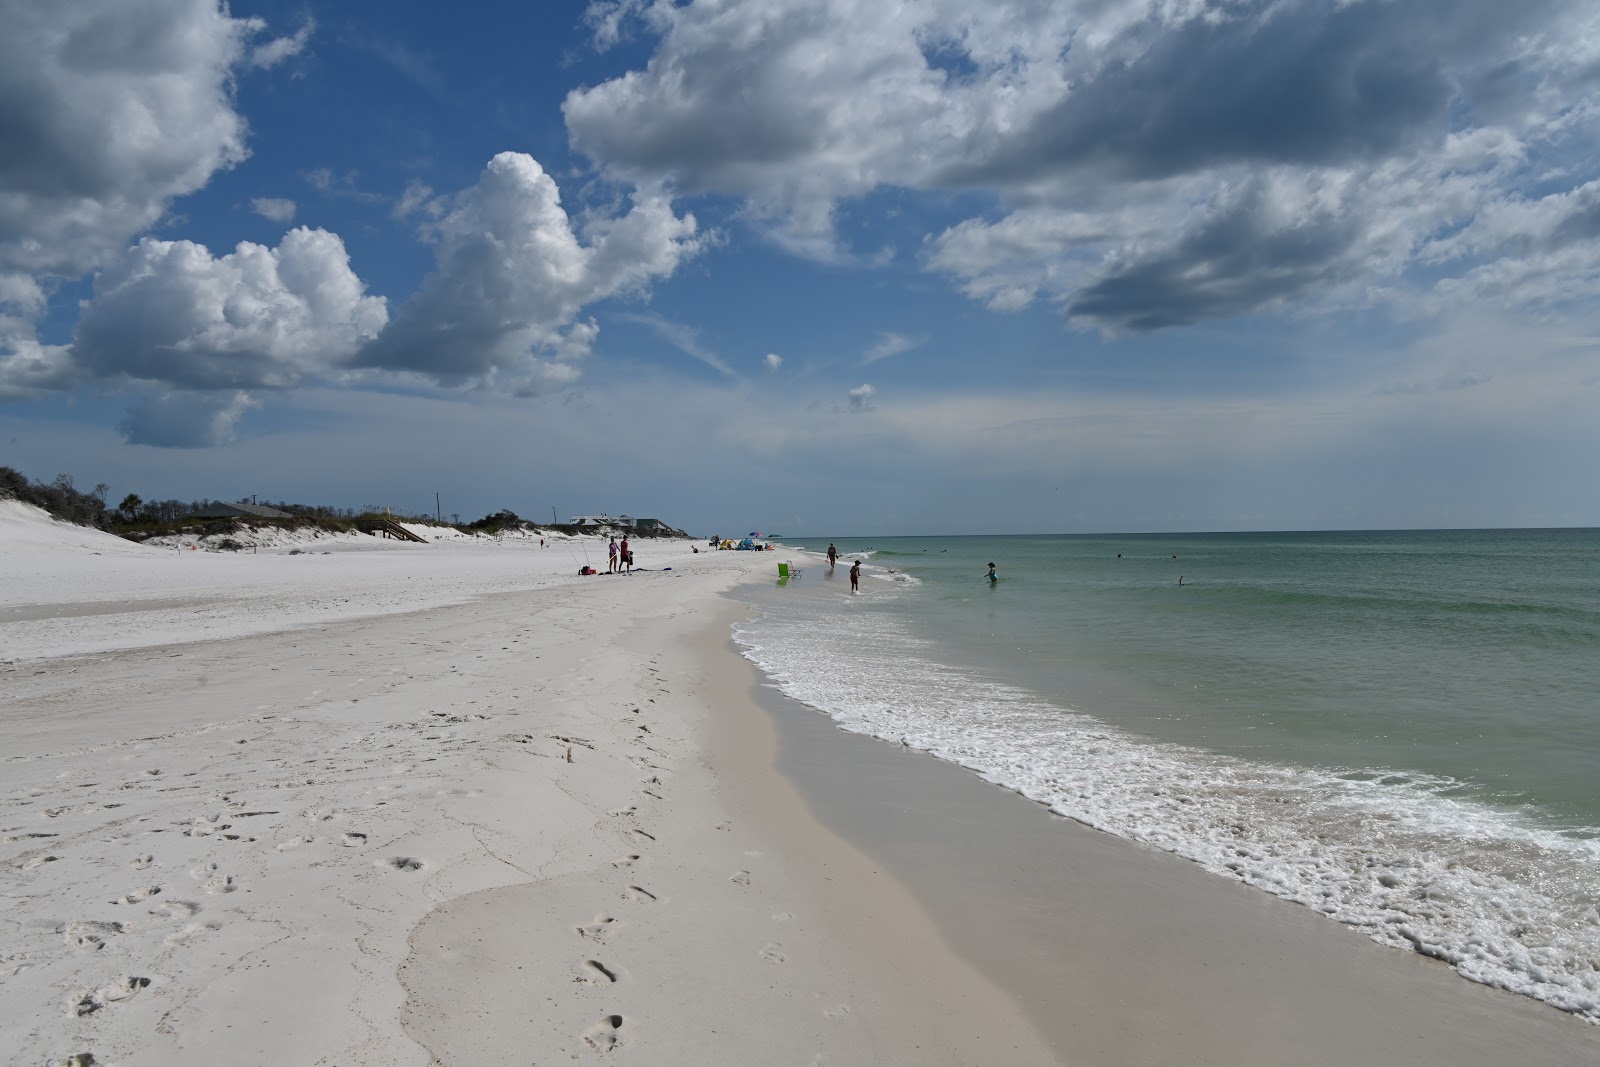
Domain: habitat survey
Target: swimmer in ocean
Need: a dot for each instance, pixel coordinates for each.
(992, 576)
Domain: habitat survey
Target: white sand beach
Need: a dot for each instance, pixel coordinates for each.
(439, 803)
(454, 803)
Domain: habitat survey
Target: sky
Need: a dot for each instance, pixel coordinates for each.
(826, 267)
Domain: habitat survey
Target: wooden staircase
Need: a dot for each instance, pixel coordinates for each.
(388, 528)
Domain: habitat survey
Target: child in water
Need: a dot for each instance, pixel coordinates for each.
(855, 576)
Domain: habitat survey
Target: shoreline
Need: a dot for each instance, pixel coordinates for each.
(1121, 953)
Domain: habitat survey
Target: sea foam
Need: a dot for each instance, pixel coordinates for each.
(1409, 859)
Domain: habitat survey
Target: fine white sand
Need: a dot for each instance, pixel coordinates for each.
(441, 803)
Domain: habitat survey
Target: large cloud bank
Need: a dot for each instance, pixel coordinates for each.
(1151, 162)
(109, 111)
(113, 109)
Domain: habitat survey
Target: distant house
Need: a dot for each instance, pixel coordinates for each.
(650, 526)
(239, 511)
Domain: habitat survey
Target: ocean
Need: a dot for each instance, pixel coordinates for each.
(1400, 730)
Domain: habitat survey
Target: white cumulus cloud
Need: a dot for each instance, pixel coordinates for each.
(860, 398)
(111, 109)
(1142, 163)
(772, 361)
(170, 312)
(512, 274)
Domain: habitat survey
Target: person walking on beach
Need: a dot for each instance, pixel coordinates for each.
(833, 554)
(611, 556)
(855, 577)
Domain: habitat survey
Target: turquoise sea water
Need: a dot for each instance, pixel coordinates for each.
(1399, 729)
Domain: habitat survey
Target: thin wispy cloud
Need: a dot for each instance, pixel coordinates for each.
(276, 208)
(891, 344)
(268, 55)
(685, 339)
(414, 64)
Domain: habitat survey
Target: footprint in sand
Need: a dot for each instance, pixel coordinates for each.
(353, 839)
(220, 883)
(88, 935)
(838, 1011)
(596, 973)
(638, 894)
(604, 1035)
(39, 861)
(773, 952)
(82, 1059)
(139, 863)
(133, 896)
(206, 825)
(623, 811)
(189, 933)
(294, 842)
(595, 931)
(739, 877)
(625, 861)
(86, 1002)
(176, 909)
(402, 863)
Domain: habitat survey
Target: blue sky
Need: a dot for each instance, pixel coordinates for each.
(825, 266)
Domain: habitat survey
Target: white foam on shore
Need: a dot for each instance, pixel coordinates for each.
(1402, 857)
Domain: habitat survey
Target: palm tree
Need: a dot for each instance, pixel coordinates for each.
(130, 505)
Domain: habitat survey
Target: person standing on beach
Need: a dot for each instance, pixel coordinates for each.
(626, 558)
(855, 577)
(611, 556)
(833, 554)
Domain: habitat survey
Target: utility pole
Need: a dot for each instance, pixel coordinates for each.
(438, 515)
(553, 515)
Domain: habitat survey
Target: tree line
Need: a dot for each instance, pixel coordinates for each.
(62, 499)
